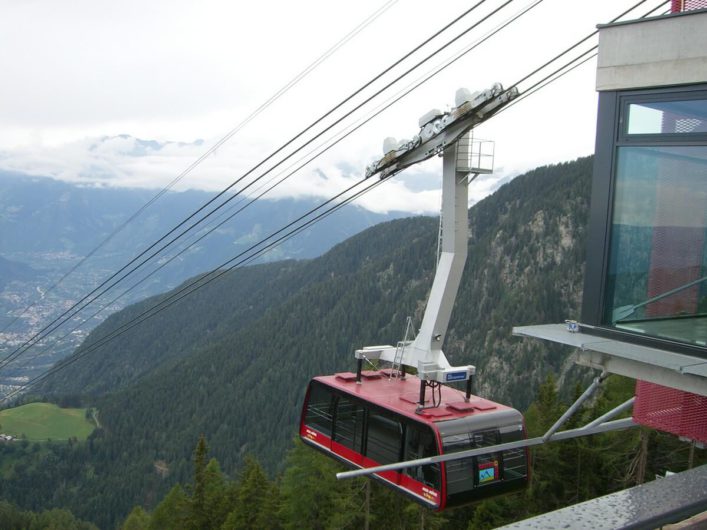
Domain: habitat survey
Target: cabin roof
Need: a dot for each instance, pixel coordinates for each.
(402, 395)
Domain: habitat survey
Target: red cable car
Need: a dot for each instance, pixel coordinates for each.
(383, 417)
(380, 422)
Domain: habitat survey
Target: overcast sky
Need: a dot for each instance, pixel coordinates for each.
(76, 75)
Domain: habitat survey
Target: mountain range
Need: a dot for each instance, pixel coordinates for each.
(232, 360)
(47, 226)
(48, 223)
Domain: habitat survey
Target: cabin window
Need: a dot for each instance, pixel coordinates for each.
(385, 436)
(467, 473)
(420, 443)
(320, 409)
(349, 423)
(515, 462)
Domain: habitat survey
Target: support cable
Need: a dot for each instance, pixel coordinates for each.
(568, 67)
(51, 327)
(342, 135)
(204, 280)
(290, 84)
(573, 46)
(253, 257)
(549, 79)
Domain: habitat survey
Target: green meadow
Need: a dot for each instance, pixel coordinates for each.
(45, 421)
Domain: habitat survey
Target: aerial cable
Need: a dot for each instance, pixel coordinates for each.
(429, 76)
(558, 73)
(551, 74)
(440, 67)
(544, 82)
(341, 135)
(172, 258)
(447, 63)
(46, 330)
(347, 131)
(289, 235)
(573, 46)
(294, 81)
(245, 260)
(165, 304)
(485, 39)
(554, 72)
(533, 89)
(404, 57)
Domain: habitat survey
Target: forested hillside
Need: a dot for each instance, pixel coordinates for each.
(12, 518)
(56, 227)
(232, 362)
(307, 494)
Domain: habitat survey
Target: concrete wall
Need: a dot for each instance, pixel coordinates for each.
(670, 50)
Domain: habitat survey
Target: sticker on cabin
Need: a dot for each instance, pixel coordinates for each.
(488, 472)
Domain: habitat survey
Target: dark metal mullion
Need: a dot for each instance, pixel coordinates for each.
(601, 208)
(403, 435)
(335, 399)
(364, 441)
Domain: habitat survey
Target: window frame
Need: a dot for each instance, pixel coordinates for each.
(652, 139)
(611, 135)
(406, 425)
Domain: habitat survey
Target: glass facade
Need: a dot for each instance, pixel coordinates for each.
(656, 272)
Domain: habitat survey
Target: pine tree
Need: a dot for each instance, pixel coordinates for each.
(138, 519)
(254, 508)
(313, 498)
(547, 488)
(198, 518)
(216, 505)
(172, 512)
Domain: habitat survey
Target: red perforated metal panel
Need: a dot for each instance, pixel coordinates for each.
(687, 5)
(675, 411)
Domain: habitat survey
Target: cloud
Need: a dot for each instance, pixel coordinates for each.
(84, 72)
(125, 161)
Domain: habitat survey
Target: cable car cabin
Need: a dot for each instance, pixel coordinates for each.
(375, 423)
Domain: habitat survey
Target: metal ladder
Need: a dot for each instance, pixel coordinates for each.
(400, 349)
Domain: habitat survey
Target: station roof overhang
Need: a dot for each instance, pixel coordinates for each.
(663, 367)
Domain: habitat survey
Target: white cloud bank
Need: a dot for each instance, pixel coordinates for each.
(124, 161)
(78, 76)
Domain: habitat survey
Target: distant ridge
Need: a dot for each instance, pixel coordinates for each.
(232, 361)
(13, 270)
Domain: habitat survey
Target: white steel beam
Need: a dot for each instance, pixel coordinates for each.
(564, 435)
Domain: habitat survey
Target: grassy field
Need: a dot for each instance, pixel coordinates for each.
(44, 421)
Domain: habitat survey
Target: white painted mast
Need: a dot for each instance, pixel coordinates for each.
(446, 134)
